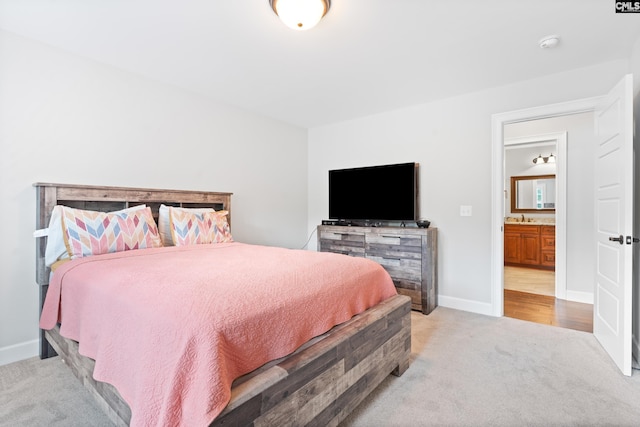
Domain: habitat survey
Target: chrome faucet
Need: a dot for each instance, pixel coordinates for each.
(522, 217)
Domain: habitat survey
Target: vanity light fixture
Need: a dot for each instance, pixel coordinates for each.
(300, 14)
(540, 160)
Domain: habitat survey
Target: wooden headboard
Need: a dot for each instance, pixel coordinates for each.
(107, 199)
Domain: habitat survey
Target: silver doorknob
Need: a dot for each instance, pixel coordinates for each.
(619, 239)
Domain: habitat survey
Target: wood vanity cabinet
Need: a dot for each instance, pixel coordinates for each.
(408, 254)
(548, 246)
(530, 246)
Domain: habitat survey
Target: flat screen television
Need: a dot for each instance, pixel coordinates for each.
(375, 193)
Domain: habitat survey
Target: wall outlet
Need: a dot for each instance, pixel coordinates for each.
(465, 210)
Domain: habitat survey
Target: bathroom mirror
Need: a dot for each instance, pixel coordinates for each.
(533, 194)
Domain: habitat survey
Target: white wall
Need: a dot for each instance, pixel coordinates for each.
(69, 120)
(451, 139)
(581, 251)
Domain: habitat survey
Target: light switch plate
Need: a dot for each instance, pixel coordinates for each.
(465, 210)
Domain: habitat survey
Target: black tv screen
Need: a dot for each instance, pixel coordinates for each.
(376, 193)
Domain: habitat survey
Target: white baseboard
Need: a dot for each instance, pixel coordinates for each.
(465, 305)
(577, 296)
(17, 352)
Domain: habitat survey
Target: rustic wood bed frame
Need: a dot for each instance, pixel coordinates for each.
(319, 384)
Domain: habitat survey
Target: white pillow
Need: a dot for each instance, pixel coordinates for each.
(56, 249)
(164, 225)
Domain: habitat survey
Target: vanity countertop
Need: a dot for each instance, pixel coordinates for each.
(530, 221)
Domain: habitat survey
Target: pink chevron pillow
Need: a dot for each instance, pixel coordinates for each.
(164, 226)
(194, 228)
(92, 233)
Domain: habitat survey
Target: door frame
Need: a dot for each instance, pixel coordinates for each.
(497, 173)
(560, 141)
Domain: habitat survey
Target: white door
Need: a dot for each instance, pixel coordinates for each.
(614, 215)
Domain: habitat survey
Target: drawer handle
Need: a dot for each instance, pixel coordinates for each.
(391, 259)
(390, 237)
(343, 234)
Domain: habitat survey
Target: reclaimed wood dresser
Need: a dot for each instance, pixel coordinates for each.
(409, 254)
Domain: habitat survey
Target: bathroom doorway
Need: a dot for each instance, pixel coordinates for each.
(534, 210)
(535, 273)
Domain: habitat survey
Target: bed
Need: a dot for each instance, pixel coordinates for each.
(320, 383)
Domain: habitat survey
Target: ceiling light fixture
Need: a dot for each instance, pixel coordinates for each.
(549, 42)
(300, 14)
(540, 160)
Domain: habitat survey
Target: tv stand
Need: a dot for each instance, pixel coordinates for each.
(409, 254)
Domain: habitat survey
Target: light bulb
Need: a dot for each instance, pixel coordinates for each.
(300, 14)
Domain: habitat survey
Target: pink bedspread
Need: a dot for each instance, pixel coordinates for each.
(171, 328)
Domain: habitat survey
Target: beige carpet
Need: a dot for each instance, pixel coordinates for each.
(466, 370)
(36, 393)
(473, 370)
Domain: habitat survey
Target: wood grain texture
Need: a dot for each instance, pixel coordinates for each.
(346, 242)
(530, 246)
(409, 254)
(548, 310)
(323, 383)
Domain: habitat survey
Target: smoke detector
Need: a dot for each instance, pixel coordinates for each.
(549, 42)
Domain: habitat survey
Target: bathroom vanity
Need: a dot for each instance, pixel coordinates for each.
(530, 244)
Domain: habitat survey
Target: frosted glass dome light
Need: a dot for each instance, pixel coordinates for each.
(300, 14)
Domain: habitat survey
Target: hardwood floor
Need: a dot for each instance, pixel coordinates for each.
(530, 295)
(548, 310)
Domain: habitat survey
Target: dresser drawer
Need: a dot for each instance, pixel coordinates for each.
(347, 243)
(394, 246)
(388, 239)
(412, 290)
(345, 237)
(400, 268)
